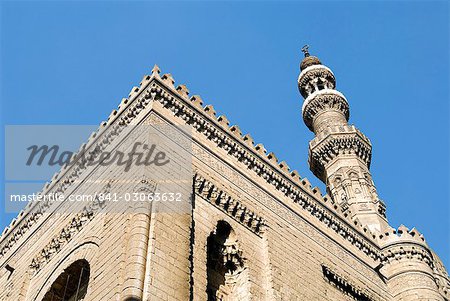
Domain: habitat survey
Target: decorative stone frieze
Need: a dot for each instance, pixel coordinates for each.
(401, 243)
(408, 265)
(408, 273)
(330, 143)
(407, 251)
(25, 225)
(218, 131)
(69, 174)
(323, 100)
(312, 208)
(313, 76)
(229, 205)
(346, 286)
(68, 232)
(336, 141)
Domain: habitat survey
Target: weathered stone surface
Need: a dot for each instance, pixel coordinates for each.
(253, 229)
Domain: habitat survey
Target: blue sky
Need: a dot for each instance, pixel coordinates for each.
(72, 62)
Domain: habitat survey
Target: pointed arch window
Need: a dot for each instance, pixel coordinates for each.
(72, 284)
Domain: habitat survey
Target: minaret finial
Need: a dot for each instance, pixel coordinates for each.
(305, 50)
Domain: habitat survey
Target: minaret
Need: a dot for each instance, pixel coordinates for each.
(340, 154)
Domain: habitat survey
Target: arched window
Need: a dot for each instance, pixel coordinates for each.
(72, 284)
(227, 278)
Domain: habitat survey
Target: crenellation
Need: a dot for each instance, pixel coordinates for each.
(156, 71)
(134, 91)
(305, 183)
(183, 91)
(235, 130)
(223, 121)
(316, 191)
(272, 159)
(145, 80)
(197, 101)
(209, 109)
(296, 176)
(260, 149)
(284, 167)
(401, 234)
(286, 234)
(168, 79)
(248, 140)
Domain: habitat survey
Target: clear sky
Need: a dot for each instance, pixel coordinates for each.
(72, 62)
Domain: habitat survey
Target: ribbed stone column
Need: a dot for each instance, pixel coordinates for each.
(136, 252)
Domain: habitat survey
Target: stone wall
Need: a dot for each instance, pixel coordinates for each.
(289, 242)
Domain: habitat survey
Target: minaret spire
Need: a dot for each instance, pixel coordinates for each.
(340, 154)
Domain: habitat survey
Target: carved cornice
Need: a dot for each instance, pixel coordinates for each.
(335, 130)
(346, 286)
(209, 190)
(23, 227)
(315, 71)
(311, 75)
(336, 141)
(64, 178)
(68, 232)
(233, 208)
(322, 100)
(216, 129)
(322, 211)
(406, 251)
(404, 244)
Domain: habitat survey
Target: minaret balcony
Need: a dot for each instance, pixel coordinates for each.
(316, 77)
(335, 142)
(323, 101)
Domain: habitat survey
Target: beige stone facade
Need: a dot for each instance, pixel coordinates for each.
(252, 229)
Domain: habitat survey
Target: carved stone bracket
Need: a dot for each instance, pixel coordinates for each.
(203, 120)
(229, 205)
(324, 100)
(24, 226)
(310, 77)
(346, 286)
(408, 252)
(337, 142)
(405, 244)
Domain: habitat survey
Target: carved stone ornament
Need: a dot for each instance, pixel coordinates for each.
(229, 205)
(346, 286)
(68, 232)
(313, 76)
(324, 100)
